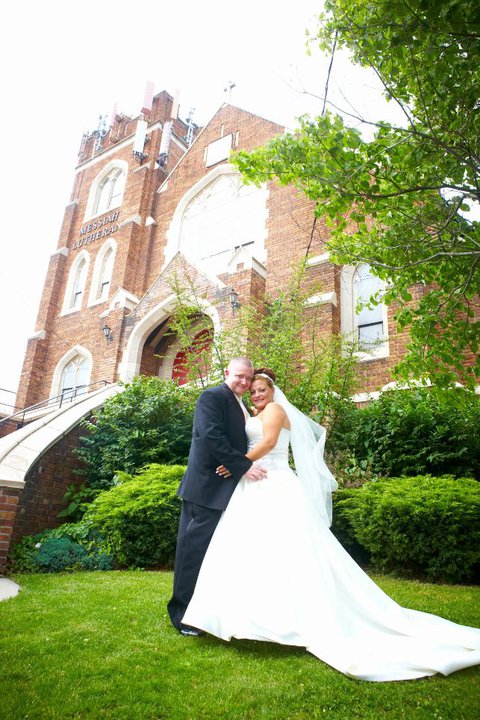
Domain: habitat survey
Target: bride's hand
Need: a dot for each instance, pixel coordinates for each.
(223, 471)
(256, 472)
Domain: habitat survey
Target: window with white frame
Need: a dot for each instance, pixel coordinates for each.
(102, 273)
(107, 189)
(76, 282)
(221, 218)
(369, 317)
(109, 192)
(75, 377)
(365, 322)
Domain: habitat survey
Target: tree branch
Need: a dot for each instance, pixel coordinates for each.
(329, 71)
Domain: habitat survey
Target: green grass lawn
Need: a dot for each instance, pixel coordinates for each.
(100, 645)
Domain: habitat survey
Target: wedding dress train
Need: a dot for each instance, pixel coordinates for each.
(273, 572)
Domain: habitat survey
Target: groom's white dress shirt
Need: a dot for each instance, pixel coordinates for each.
(244, 409)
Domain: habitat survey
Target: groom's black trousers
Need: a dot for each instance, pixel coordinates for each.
(196, 527)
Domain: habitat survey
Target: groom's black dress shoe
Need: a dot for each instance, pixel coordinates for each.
(188, 630)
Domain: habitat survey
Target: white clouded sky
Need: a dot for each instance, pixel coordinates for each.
(66, 63)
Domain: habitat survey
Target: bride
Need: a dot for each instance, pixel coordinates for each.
(275, 572)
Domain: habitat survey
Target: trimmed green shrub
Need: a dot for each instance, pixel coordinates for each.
(139, 516)
(418, 432)
(342, 526)
(72, 546)
(59, 554)
(149, 422)
(421, 526)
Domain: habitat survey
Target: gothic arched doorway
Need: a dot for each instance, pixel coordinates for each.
(171, 357)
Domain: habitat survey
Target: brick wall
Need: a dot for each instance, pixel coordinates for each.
(45, 486)
(9, 497)
(150, 363)
(8, 426)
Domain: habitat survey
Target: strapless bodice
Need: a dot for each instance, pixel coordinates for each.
(277, 458)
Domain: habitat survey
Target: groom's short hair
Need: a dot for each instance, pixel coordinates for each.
(246, 362)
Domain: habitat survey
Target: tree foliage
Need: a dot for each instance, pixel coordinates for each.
(150, 421)
(206, 351)
(316, 371)
(282, 332)
(417, 431)
(403, 201)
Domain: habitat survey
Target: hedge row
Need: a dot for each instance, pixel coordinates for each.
(415, 526)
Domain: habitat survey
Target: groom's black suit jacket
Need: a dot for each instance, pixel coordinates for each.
(218, 438)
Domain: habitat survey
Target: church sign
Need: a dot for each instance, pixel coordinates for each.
(96, 230)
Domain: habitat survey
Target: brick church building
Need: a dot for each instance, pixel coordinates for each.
(155, 196)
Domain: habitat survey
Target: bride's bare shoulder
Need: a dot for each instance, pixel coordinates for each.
(274, 409)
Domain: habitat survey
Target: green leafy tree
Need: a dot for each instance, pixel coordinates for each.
(150, 421)
(284, 333)
(417, 431)
(206, 352)
(405, 201)
(316, 370)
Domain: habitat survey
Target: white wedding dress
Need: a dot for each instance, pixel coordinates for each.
(273, 572)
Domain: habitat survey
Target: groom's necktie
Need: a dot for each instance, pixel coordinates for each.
(244, 409)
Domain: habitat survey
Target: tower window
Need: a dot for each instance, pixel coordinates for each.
(79, 285)
(109, 192)
(77, 279)
(102, 273)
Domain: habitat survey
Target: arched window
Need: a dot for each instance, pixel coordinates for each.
(365, 323)
(217, 217)
(79, 285)
(107, 189)
(102, 273)
(106, 273)
(76, 282)
(75, 377)
(109, 192)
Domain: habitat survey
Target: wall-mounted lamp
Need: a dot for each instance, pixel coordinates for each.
(234, 302)
(107, 332)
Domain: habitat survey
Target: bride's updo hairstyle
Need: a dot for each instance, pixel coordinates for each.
(264, 374)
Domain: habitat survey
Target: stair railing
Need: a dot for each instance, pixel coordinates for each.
(57, 400)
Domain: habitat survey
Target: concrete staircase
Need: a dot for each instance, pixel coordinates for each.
(21, 449)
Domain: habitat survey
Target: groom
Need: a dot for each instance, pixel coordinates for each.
(218, 438)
